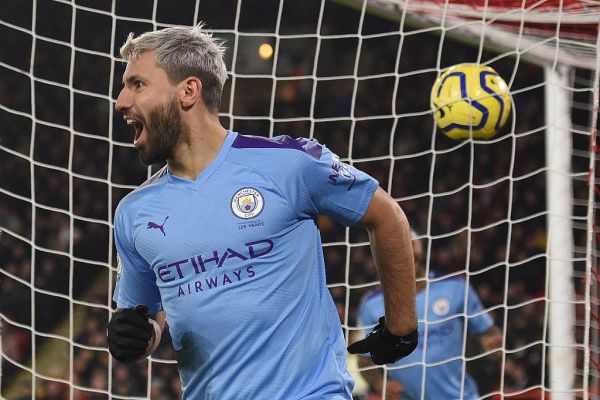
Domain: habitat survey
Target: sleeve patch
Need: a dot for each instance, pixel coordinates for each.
(339, 170)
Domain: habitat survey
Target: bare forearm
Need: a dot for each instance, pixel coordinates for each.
(391, 246)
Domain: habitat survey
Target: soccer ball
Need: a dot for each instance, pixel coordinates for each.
(470, 101)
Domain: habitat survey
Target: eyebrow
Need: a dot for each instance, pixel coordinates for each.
(132, 78)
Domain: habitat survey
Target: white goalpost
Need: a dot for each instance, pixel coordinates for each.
(560, 239)
(515, 216)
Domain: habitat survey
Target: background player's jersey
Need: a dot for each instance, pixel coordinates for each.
(445, 318)
(234, 258)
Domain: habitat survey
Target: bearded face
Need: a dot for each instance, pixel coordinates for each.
(164, 127)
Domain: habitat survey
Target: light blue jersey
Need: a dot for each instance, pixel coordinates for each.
(234, 258)
(442, 335)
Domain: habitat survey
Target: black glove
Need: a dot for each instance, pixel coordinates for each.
(384, 347)
(129, 333)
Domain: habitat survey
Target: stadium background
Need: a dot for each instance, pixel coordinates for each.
(89, 172)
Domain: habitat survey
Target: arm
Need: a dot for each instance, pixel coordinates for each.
(132, 332)
(491, 340)
(132, 335)
(396, 334)
(158, 323)
(391, 246)
(481, 324)
(374, 377)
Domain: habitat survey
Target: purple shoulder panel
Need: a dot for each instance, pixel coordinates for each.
(309, 146)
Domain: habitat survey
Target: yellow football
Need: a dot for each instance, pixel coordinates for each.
(470, 101)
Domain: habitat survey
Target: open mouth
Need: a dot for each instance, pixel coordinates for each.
(137, 125)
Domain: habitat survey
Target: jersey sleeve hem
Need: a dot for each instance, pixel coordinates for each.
(364, 202)
(483, 325)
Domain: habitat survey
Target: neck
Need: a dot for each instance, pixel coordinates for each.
(197, 148)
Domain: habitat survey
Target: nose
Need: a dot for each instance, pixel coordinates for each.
(123, 101)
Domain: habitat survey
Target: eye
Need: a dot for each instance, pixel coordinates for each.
(138, 84)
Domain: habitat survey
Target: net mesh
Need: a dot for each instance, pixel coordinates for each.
(542, 31)
(356, 76)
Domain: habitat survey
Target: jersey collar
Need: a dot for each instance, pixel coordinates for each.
(210, 168)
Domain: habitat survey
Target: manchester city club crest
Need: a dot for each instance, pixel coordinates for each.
(247, 203)
(441, 307)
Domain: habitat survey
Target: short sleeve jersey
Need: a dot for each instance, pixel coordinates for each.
(442, 310)
(234, 259)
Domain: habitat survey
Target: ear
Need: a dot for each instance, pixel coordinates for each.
(191, 91)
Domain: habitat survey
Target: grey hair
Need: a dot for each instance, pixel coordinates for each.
(183, 52)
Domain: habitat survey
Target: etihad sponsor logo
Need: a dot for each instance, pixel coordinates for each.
(212, 260)
(212, 282)
(437, 333)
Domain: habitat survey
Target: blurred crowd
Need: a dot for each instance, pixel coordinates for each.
(480, 205)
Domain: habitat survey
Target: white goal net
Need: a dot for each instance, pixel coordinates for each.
(515, 215)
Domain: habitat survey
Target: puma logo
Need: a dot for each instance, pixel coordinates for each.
(154, 225)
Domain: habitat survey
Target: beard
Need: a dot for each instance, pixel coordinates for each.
(163, 129)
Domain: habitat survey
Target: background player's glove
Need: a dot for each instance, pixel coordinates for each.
(129, 334)
(384, 347)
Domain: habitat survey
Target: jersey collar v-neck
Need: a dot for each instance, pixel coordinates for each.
(210, 168)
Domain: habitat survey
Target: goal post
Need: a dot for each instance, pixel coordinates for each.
(514, 216)
(561, 316)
